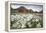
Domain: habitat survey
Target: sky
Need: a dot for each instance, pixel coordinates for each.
(37, 8)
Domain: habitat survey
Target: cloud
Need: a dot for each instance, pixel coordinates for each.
(37, 8)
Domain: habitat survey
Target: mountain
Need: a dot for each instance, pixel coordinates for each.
(24, 9)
